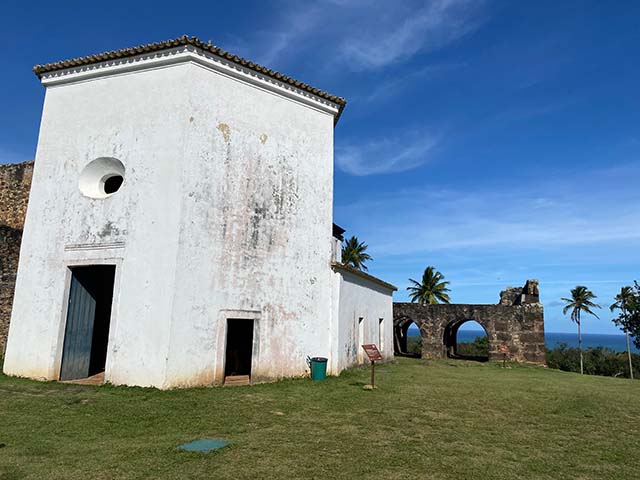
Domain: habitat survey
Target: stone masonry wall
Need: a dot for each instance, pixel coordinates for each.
(15, 183)
(517, 322)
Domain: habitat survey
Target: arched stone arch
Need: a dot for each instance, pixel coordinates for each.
(400, 334)
(450, 339)
(518, 323)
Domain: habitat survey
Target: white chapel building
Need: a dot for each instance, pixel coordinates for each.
(180, 226)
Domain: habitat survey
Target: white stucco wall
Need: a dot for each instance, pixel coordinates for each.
(225, 212)
(137, 118)
(365, 316)
(255, 235)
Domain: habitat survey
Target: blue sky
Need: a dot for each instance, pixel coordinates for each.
(495, 140)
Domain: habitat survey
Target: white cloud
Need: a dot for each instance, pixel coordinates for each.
(541, 214)
(424, 28)
(397, 83)
(386, 155)
(301, 21)
(568, 228)
(363, 35)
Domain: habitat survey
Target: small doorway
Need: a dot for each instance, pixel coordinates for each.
(86, 335)
(239, 352)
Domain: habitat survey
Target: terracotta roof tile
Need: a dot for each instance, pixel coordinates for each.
(40, 70)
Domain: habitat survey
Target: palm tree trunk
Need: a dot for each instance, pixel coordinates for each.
(580, 346)
(629, 354)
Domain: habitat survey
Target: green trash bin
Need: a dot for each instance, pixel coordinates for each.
(318, 366)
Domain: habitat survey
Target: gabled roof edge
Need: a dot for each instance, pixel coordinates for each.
(41, 70)
(361, 274)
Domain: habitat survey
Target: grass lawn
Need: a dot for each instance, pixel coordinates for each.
(446, 419)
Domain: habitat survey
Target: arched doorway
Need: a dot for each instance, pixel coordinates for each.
(407, 338)
(466, 340)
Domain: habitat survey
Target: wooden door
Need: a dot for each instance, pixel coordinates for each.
(78, 335)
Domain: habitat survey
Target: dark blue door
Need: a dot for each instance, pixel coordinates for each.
(78, 335)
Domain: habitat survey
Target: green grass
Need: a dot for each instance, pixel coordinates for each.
(439, 420)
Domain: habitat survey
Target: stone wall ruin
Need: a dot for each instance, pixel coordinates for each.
(517, 321)
(15, 183)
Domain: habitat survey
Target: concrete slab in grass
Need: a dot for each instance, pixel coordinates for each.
(204, 445)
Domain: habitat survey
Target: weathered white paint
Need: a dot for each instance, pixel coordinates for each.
(360, 298)
(225, 212)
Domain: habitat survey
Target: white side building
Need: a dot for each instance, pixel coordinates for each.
(179, 228)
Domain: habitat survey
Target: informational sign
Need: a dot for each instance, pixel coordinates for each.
(372, 352)
(374, 355)
(504, 350)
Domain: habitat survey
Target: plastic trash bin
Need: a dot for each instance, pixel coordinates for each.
(318, 367)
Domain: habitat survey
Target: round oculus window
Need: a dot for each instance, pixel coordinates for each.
(101, 177)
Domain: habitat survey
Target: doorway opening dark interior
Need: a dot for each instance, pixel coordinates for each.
(239, 351)
(86, 335)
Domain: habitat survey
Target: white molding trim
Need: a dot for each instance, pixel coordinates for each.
(93, 246)
(187, 54)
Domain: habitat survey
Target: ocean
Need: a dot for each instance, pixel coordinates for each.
(617, 343)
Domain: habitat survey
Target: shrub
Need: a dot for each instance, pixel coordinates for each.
(478, 348)
(597, 361)
(414, 345)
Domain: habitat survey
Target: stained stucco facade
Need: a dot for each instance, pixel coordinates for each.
(225, 212)
(365, 312)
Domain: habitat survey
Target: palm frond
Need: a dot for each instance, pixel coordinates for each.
(580, 301)
(431, 290)
(354, 254)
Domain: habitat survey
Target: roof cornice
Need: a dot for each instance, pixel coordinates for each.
(341, 267)
(182, 49)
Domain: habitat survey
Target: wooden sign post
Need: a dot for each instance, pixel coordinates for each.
(504, 350)
(374, 355)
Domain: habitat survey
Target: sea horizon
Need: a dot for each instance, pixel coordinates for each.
(615, 342)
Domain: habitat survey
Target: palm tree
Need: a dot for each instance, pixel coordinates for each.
(354, 254)
(433, 289)
(624, 302)
(579, 302)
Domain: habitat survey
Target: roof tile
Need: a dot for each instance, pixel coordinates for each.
(40, 70)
